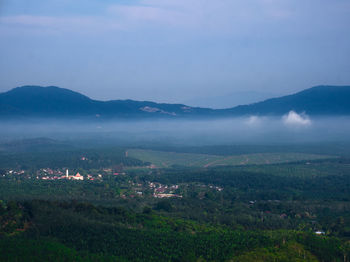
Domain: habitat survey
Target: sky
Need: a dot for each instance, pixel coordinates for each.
(200, 52)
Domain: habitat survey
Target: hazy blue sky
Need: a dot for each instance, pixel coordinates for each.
(194, 51)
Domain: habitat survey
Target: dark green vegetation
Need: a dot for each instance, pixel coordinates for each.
(96, 158)
(134, 212)
(54, 102)
(73, 231)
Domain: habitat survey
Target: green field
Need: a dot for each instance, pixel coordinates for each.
(167, 159)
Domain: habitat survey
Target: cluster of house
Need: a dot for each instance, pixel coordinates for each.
(164, 195)
(15, 172)
(163, 191)
(54, 174)
(216, 188)
(77, 176)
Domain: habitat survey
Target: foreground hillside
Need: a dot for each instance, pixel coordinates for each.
(70, 231)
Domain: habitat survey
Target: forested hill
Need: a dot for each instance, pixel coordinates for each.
(318, 100)
(36, 101)
(51, 101)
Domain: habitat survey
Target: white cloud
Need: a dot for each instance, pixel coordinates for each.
(56, 24)
(215, 16)
(141, 14)
(296, 120)
(235, 17)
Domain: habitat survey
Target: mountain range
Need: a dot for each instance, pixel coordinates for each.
(55, 102)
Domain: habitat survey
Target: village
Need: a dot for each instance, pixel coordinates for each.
(128, 186)
(51, 174)
(164, 191)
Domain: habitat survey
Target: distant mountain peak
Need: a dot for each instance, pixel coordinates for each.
(317, 100)
(53, 101)
(35, 90)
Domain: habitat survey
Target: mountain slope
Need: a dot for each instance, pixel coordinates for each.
(44, 101)
(318, 100)
(36, 101)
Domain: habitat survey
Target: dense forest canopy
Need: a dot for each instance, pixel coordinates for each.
(126, 209)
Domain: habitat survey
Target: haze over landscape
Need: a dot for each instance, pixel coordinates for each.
(175, 130)
(317, 114)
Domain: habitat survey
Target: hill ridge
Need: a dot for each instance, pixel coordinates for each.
(53, 101)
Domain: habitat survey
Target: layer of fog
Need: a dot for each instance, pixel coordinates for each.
(290, 128)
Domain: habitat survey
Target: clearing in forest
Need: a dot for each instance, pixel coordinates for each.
(163, 159)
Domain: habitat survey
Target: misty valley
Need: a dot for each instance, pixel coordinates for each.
(124, 180)
(237, 189)
(174, 131)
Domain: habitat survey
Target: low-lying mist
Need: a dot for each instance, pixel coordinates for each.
(288, 129)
